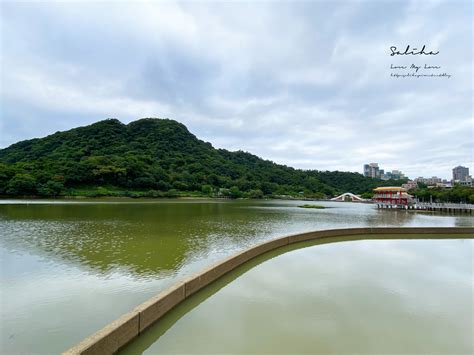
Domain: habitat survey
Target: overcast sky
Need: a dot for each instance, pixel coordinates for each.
(306, 84)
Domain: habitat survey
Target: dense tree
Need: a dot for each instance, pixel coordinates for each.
(156, 158)
(24, 184)
(460, 194)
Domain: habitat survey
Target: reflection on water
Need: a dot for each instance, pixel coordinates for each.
(366, 297)
(69, 268)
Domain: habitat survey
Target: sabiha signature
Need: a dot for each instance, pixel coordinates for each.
(413, 51)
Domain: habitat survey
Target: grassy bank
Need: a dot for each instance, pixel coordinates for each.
(319, 207)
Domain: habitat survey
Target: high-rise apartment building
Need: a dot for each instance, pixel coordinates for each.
(460, 173)
(372, 170)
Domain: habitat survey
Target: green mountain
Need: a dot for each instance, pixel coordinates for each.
(155, 157)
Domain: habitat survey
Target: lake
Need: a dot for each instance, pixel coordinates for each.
(70, 267)
(351, 297)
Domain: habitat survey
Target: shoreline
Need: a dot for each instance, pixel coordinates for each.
(184, 197)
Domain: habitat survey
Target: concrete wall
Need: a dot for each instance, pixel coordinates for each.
(121, 331)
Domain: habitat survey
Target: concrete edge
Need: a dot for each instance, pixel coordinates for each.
(118, 333)
(157, 306)
(111, 338)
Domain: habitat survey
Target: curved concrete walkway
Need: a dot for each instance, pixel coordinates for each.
(115, 335)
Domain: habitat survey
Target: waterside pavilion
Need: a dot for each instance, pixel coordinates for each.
(392, 196)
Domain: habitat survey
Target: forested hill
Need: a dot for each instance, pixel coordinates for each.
(154, 157)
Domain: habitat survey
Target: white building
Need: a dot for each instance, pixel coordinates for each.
(410, 185)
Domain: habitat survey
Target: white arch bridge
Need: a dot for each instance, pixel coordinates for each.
(348, 196)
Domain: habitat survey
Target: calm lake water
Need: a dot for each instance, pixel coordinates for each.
(70, 267)
(358, 297)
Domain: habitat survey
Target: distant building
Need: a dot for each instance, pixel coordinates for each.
(372, 170)
(447, 184)
(432, 181)
(461, 176)
(466, 182)
(386, 176)
(397, 175)
(410, 185)
(394, 174)
(460, 173)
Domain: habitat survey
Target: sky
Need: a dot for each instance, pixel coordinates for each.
(306, 84)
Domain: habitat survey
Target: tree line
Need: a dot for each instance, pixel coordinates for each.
(457, 194)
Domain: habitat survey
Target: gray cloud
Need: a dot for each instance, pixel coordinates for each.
(304, 84)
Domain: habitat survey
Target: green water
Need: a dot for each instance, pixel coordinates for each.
(357, 297)
(70, 267)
